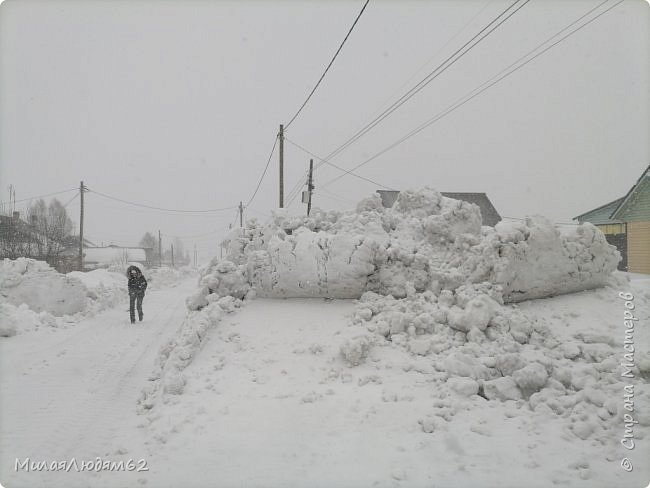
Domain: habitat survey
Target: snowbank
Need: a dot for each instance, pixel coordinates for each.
(424, 242)
(15, 320)
(41, 288)
(34, 295)
(167, 377)
(105, 288)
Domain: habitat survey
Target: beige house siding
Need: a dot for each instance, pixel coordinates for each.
(638, 247)
(608, 229)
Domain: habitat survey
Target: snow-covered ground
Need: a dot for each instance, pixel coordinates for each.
(271, 401)
(376, 347)
(71, 392)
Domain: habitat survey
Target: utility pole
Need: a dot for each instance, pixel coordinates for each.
(281, 135)
(310, 186)
(81, 227)
(172, 255)
(241, 214)
(195, 255)
(159, 249)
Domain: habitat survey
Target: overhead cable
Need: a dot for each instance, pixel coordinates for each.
(488, 84)
(286, 126)
(441, 68)
(159, 208)
(264, 172)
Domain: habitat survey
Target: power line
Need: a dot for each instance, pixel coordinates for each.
(431, 58)
(194, 235)
(488, 84)
(41, 196)
(70, 201)
(159, 208)
(441, 68)
(286, 126)
(264, 172)
(336, 166)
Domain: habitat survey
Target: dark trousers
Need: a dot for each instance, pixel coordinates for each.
(135, 299)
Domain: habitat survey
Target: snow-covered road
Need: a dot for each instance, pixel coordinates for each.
(71, 392)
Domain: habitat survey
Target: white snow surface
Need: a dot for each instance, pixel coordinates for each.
(40, 287)
(425, 242)
(444, 388)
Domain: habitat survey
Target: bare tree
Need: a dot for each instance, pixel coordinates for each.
(149, 241)
(16, 240)
(51, 226)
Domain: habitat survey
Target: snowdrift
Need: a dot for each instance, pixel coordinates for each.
(167, 377)
(424, 242)
(34, 295)
(40, 287)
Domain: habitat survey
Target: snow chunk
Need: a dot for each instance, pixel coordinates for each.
(531, 378)
(355, 350)
(501, 389)
(463, 386)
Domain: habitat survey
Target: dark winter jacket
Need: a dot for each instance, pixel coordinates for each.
(137, 283)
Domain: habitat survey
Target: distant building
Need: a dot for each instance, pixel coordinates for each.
(103, 257)
(489, 214)
(626, 225)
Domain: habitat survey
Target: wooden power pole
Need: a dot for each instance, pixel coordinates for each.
(241, 214)
(281, 135)
(159, 249)
(81, 228)
(310, 185)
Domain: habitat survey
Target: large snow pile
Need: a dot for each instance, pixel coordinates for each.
(424, 242)
(477, 347)
(40, 287)
(105, 288)
(34, 295)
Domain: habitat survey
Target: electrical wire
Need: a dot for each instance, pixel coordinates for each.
(70, 201)
(336, 166)
(39, 196)
(446, 64)
(433, 56)
(264, 172)
(159, 208)
(488, 84)
(328, 66)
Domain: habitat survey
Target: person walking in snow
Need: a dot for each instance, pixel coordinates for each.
(137, 287)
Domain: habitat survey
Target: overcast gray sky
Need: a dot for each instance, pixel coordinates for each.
(176, 104)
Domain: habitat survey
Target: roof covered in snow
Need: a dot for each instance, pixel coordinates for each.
(489, 214)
